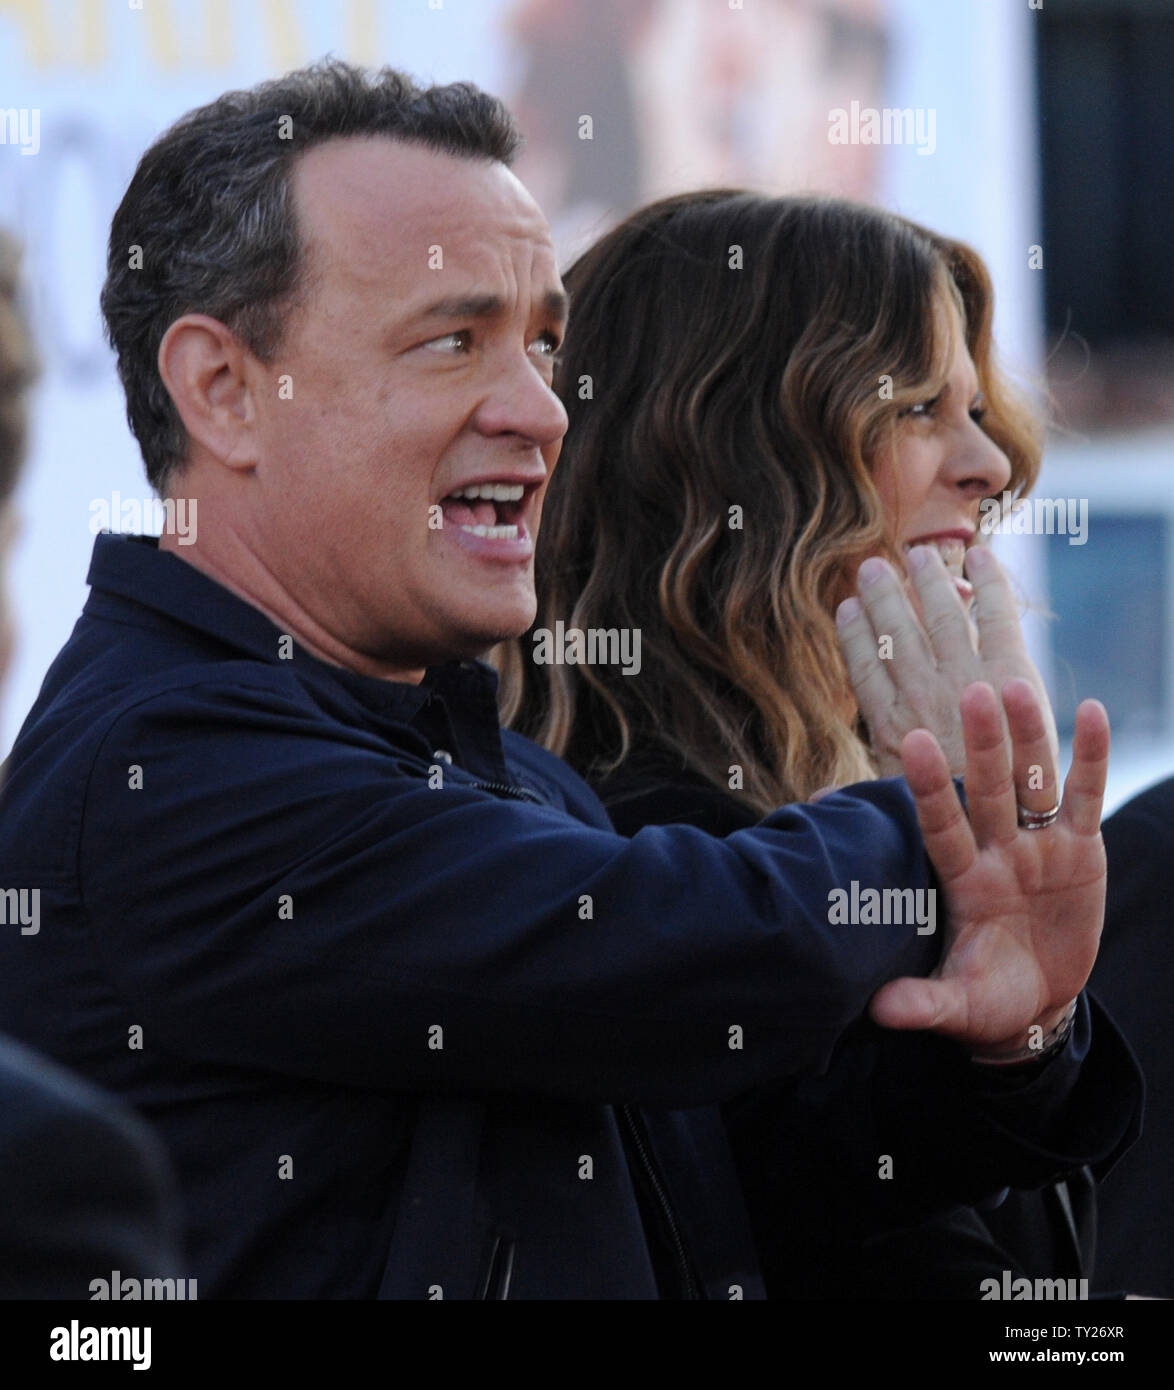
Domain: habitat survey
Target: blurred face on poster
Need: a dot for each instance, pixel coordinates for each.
(742, 95)
(681, 94)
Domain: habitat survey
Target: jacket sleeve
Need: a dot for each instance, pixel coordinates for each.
(903, 1126)
(266, 896)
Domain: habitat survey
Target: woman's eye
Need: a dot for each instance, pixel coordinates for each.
(450, 342)
(921, 411)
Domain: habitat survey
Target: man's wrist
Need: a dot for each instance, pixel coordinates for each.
(1044, 1038)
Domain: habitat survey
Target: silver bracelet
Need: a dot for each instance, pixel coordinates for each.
(1050, 1042)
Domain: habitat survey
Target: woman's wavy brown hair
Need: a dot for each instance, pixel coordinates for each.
(725, 363)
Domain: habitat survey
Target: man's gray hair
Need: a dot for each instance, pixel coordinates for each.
(207, 224)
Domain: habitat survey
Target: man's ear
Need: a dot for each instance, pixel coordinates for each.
(212, 378)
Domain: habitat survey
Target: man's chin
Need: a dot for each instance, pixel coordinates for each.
(500, 628)
(482, 646)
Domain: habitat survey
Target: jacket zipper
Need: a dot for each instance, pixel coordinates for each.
(518, 793)
(496, 1284)
(681, 1259)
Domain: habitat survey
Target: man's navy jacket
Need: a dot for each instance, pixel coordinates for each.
(413, 1020)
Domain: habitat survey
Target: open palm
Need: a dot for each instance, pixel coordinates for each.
(1024, 908)
(930, 656)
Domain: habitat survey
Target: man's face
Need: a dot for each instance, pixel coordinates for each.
(419, 366)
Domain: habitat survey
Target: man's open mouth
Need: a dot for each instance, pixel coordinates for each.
(490, 510)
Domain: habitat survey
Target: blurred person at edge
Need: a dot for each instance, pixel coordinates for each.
(418, 1023)
(735, 461)
(1132, 977)
(85, 1190)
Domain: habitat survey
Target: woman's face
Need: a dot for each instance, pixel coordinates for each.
(943, 465)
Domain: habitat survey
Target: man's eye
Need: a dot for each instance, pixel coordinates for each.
(450, 342)
(546, 345)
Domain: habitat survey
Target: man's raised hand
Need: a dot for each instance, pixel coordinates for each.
(1024, 907)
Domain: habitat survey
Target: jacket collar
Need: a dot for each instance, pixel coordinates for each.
(152, 581)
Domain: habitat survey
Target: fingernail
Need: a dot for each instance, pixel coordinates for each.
(871, 570)
(919, 557)
(849, 609)
(978, 558)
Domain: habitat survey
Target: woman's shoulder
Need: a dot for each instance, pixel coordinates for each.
(659, 793)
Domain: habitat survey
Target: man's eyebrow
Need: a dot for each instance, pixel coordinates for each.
(484, 306)
(474, 306)
(557, 303)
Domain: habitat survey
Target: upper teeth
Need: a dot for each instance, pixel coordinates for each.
(493, 492)
(951, 549)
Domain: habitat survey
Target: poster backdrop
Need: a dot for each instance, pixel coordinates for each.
(926, 107)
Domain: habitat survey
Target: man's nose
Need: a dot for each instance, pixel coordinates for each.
(523, 403)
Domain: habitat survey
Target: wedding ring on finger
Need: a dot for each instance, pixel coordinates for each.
(1037, 820)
